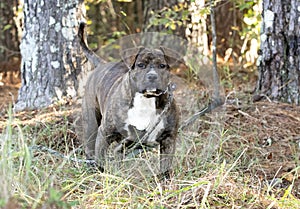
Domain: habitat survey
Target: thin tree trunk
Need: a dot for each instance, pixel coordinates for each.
(51, 56)
(279, 61)
(139, 15)
(9, 39)
(216, 97)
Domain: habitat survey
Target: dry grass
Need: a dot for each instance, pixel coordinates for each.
(243, 155)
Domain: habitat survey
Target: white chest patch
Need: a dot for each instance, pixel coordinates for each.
(143, 115)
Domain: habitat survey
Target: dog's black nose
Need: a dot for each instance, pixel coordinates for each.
(151, 76)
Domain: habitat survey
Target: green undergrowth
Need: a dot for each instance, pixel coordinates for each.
(204, 174)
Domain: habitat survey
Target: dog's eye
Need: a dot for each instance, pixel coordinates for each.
(162, 66)
(141, 65)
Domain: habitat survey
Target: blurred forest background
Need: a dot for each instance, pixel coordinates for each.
(237, 25)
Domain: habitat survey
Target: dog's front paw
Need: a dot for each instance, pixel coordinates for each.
(165, 176)
(100, 168)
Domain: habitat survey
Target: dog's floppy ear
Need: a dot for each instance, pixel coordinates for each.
(172, 57)
(129, 56)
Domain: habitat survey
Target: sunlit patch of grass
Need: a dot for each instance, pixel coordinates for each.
(15, 161)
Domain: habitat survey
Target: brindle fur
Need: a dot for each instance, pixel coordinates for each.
(109, 94)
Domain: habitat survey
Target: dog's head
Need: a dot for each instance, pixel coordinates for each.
(149, 70)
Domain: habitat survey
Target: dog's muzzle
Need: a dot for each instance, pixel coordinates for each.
(151, 78)
(158, 92)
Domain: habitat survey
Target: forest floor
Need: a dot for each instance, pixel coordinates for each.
(242, 155)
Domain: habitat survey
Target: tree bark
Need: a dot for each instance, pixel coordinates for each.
(51, 56)
(279, 61)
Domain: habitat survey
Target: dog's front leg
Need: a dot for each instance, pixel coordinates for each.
(167, 150)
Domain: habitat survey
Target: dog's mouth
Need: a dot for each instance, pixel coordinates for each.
(152, 92)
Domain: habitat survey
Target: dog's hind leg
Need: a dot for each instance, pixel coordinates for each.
(101, 147)
(91, 120)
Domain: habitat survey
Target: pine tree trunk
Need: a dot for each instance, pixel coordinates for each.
(51, 56)
(279, 61)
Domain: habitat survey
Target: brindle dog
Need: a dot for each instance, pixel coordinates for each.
(127, 100)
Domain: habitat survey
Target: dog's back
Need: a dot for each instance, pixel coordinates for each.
(105, 75)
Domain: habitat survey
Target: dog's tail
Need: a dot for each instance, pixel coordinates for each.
(92, 56)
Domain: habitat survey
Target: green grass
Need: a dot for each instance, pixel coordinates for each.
(205, 174)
